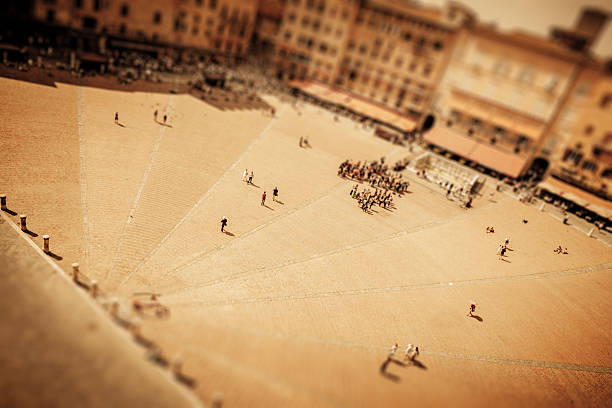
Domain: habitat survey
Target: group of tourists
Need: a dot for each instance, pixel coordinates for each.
(367, 198)
(383, 183)
(375, 173)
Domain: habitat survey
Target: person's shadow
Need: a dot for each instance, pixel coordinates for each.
(120, 124)
(228, 233)
(480, 319)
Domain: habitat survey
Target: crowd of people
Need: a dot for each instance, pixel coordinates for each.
(383, 183)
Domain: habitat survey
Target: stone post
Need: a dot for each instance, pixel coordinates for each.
(75, 271)
(93, 290)
(46, 243)
(24, 226)
(3, 202)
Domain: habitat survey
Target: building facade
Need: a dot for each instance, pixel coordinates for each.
(388, 53)
(584, 157)
(498, 96)
(223, 26)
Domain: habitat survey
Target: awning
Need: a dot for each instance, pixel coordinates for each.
(355, 103)
(583, 198)
(471, 149)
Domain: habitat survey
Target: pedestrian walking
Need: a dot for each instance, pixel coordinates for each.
(408, 351)
(275, 194)
(393, 350)
(472, 308)
(263, 198)
(223, 223)
(506, 241)
(116, 118)
(415, 353)
(155, 115)
(251, 178)
(165, 118)
(244, 174)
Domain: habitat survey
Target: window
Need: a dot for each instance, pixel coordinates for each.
(125, 10)
(605, 100)
(199, 2)
(50, 16)
(287, 35)
(96, 5)
(291, 17)
(212, 5)
(589, 166)
(78, 4)
(588, 130)
(157, 17)
(552, 84)
(438, 45)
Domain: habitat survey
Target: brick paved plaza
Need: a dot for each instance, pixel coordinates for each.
(299, 303)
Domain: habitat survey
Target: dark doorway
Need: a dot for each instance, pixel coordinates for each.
(428, 123)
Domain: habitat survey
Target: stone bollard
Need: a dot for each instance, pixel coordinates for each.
(542, 207)
(217, 400)
(3, 202)
(93, 290)
(46, 243)
(177, 366)
(75, 271)
(114, 308)
(590, 234)
(24, 226)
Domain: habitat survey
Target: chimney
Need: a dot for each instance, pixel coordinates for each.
(585, 31)
(591, 23)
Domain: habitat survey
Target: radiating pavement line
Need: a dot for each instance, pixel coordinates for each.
(194, 257)
(461, 356)
(204, 253)
(330, 252)
(143, 182)
(198, 255)
(401, 288)
(202, 199)
(83, 168)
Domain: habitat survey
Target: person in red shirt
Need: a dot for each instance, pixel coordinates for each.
(263, 198)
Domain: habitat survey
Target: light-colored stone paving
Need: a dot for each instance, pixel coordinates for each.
(299, 304)
(57, 349)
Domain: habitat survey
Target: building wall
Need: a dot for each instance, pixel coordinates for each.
(502, 91)
(217, 25)
(585, 156)
(386, 52)
(312, 38)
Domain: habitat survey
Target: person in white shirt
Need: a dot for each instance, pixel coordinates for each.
(408, 350)
(244, 175)
(393, 350)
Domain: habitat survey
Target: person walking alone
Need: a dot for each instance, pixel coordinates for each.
(165, 118)
(263, 198)
(116, 118)
(155, 115)
(223, 223)
(275, 194)
(472, 308)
